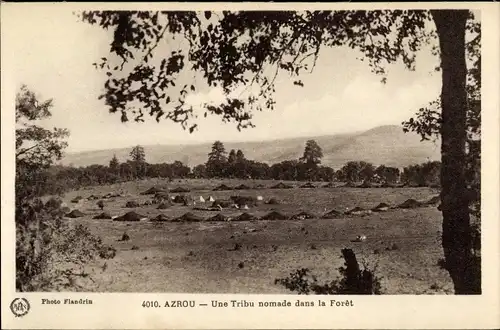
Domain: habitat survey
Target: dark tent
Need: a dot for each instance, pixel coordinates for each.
(357, 211)
(272, 201)
(163, 206)
(179, 190)
(160, 218)
(189, 217)
(333, 214)
(329, 185)
(152, 191)
(303, 216)
(222, 187)
(308, 185)
(180, 199)
(218, 217)
(245, 217)
(130, 216)
(274, 215)
(409, 204)
(132, 204)
(162, 194)
(242, 187)
(103, 215)
(434, 201)
(244, 200)
(281, 185)
(382, 207)
(75, 214)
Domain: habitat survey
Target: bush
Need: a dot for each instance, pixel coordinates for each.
(353, 280)
(50, 253)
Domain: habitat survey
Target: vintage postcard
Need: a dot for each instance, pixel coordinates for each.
(250, 165)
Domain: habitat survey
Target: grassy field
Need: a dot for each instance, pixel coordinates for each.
(199, 257)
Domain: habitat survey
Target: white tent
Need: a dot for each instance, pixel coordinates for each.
(211, 199)
(260, 198)
(202, 200)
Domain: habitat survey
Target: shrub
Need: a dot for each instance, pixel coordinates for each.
(50, 253)
(353, 280)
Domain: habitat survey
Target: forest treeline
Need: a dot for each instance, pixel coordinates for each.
(234, 165)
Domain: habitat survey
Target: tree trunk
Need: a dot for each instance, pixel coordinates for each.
(463, 267)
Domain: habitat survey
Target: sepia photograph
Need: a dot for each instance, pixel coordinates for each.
(291, 152)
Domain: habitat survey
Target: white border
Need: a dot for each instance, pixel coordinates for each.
(123, 310)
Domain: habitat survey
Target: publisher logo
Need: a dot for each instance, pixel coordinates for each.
(20, 307)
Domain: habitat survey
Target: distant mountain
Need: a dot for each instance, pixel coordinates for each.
(387, 145)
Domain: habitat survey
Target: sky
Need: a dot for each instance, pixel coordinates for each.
(53, 53)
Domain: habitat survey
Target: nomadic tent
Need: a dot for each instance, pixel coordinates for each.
(409, 204)
(245, 217)
(75, 214)
(163, 206)
(152, 191)
(222, 187)
(333, 214)
(357, 211)
(218, 217)
(382, 207)
(242, 187)
(274, 215)
(303, 216)
(281, 185)
(179, 190)
(103, 215)
(434, 201)
(130, 216)
(189, 217)
(160, 218)
(132, 204)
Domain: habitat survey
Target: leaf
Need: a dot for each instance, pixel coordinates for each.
(192, 88)
(208, 14)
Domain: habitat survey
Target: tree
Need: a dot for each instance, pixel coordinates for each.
(200, 171)
(312, 154)
(367, 171)
(113, 164)
(240, 157)
(42, 238)
(387, 174)
(138, 160)
(36, 147)
(238, 47)
(217, 160)
(232, 157)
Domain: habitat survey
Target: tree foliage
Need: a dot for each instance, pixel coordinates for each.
(231, 49)
(312, 153)
(49, 252)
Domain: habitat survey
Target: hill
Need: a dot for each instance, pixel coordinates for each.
(381, 145)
